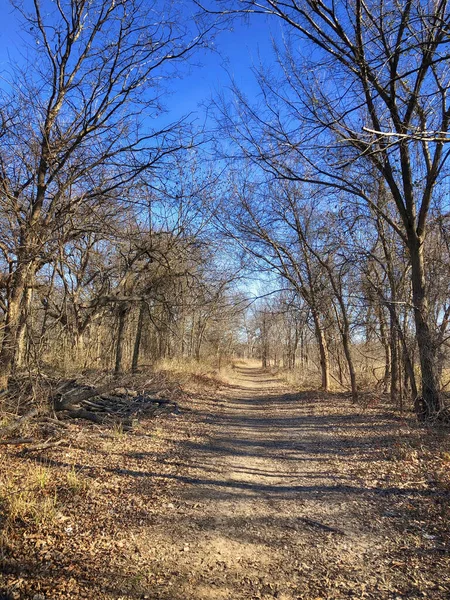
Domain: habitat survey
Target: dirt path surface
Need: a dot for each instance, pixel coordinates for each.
(256, 492)
(274, 503)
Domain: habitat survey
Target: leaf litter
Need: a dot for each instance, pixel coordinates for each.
(252, 491)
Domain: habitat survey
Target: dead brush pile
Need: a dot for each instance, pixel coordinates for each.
(37, 413)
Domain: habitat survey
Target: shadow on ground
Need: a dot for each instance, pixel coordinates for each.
(273, 471)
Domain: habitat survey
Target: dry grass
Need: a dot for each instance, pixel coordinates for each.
(31, 498)
(193, 375)
(75, 481)
(34, 495)
(298, 378)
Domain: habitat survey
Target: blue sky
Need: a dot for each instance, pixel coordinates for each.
(209, 72)
(237, 52)
(8, 31)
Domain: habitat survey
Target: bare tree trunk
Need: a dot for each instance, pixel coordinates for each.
(303, 351)
(23, 328)
(344, 327)
(80, 349)
(294, 349)
(265, 343)
(120, 338)
(348, 356)
(99, 344)
(394, 358)
(137, 339)
(323, 351)
(387, 349)
(397, 335)
(12, 325)
(425, 340)
(340, 370)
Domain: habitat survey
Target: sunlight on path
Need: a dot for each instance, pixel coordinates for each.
(267, 508)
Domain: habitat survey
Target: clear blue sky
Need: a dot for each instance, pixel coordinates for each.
(237, 52)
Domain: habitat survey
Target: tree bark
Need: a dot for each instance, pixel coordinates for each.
(425, 340)
(387, 349)
(323, 351)
(348, 355)
(137, 339)
(21, 350)
(12, 321)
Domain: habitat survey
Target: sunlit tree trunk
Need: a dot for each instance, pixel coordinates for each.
(426, 341)
(323, 353)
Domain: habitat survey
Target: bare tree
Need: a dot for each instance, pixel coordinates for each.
(362, 86)
(269, 222)
(80, 115)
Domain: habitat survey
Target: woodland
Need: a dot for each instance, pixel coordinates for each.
(304, 228)
(127, 238)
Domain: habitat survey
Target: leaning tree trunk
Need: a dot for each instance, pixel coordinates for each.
(426, 342)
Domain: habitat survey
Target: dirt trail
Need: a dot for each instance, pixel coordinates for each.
(257, 492)
(269, 504)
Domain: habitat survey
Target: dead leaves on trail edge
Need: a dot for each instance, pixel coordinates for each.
(149, 513)
(72, 517)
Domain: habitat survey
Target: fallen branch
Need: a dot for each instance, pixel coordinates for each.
(56, 422)
(51, 443)
(104, 405)
(16, 441)
(85, 414)
(69, 400)
(17, 424)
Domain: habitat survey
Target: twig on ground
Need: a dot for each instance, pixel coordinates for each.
(17, 441)
(319, 525)
(51, 443)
